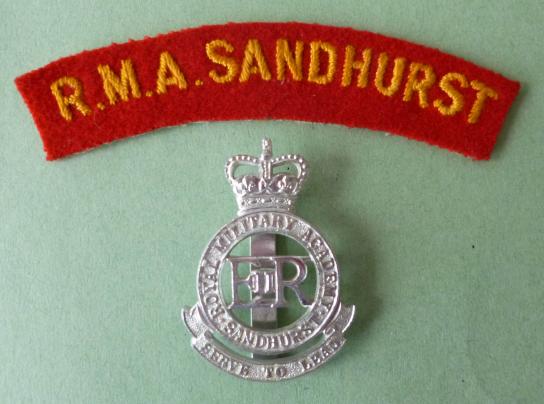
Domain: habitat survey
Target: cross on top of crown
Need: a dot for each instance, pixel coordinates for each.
(267, 190)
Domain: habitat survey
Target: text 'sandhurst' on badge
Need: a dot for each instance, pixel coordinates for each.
(282, 312)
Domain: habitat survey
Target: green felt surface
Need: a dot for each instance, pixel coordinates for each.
(443, 256)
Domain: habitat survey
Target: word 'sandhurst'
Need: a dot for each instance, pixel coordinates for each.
(389, 75)
(290, 71)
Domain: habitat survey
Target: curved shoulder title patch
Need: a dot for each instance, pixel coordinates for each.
(293, 71)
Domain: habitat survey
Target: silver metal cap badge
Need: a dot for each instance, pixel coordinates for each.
(267, 347)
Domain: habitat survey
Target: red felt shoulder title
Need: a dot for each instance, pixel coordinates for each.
(291, 71)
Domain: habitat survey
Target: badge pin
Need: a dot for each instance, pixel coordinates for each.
(243, 321)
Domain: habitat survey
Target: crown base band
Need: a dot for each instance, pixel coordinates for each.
(284, 204)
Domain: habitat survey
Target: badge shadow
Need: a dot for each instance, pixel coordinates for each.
(322, 203)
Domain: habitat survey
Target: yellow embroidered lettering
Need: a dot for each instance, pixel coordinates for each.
(254, 53)
(351, 64)
(75, 98)
(169, 74)
(228, 62)
(285, 57)
(314, 75)
(119, 86)
(483, 94)
(419, 84)
(457, 100)
(396, 80)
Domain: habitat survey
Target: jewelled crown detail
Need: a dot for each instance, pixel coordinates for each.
(267, 190)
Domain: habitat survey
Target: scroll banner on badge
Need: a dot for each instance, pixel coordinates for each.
(279, 369)
(292, 71)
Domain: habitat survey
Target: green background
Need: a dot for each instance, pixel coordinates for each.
(443, 256)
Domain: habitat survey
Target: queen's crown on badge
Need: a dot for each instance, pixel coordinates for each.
(265, 282)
